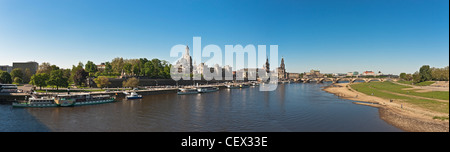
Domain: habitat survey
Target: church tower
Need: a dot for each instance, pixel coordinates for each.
(267, 65)
(282, 70)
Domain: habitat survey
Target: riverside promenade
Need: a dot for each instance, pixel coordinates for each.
(146, 90)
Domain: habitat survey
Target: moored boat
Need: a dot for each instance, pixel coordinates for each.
(207, 89)
(86, 99)
(36, 102)
(134, 95)
(183, 91)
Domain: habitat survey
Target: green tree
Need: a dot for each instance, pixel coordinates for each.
(79, 78)
(148, 69)
(425, 73)
(18, 80)
(403, 76)
(91, 68)
(408, 77)
(16, 73)
(40, 80)
(117, 65)
(102, 81)
(57, 79)
(416, 77)
(131, 82)
(44, 68)
(27, 75)
(127, 68)
(142, 65)
(108, 68)
(5, 77)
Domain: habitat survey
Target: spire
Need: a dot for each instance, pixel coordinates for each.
(187, 50)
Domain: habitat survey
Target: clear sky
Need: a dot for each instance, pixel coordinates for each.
(333, 36)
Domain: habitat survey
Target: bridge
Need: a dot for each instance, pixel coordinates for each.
(336, 80)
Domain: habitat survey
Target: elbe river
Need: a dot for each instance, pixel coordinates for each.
(292, 107)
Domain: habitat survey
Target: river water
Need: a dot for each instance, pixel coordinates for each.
(292, 107)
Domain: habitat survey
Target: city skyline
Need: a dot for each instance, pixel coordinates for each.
(334, 37)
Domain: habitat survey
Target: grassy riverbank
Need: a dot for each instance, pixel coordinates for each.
(425, 83)
(411, 109)
(434, 100)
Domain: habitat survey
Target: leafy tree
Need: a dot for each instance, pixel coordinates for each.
(80, 76)
(417, 77)
(27, 75)
(57, 79)
(5, 77)
(131, 82)
(127, 68)
(40, 80)
(148, 69)
(408, 77)
(18, 80)
(167, 71)
(16, 73)
(45, 68)
(102, 81)
(425, 73)
(91, 67)
(108, 68)
(117, 65)
(54, 67)
(440, 74)
(403, 76)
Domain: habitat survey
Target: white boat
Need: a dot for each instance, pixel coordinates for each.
(207, 89)
(37, 102)
(8, 88)
(183, 91)
(134, 95)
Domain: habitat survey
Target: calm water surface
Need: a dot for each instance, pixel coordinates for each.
(292, 107)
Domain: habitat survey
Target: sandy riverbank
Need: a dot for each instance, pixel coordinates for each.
(401, 115)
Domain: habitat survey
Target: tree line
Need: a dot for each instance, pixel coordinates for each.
(54, 76)
(426, 73)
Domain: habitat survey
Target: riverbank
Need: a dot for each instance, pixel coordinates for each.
(402, 115)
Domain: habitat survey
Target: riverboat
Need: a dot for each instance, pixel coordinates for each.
(134, 95)
(207, 89)
(183, 91)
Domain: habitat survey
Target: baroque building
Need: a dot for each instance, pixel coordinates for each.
(282, 70)
(185, 63)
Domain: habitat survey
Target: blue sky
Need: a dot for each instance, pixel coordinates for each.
(333, 36)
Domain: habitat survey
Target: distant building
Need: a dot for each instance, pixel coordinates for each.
(356, 73)
(368, 73)
(33, 66)
(185, 63)
(313, 74)
(6, 68)
(101, 67)
(293, 75)
(282, 70)
(349, 74)
(267, 66)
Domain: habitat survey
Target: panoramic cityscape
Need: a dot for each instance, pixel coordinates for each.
(215, 66)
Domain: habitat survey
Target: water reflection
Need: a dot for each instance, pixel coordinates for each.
(292, 107)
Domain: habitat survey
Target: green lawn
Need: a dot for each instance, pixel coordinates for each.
(425, 83)
(376, 87)
(389, 86)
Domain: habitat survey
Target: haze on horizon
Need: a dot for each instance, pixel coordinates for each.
(331, 36)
